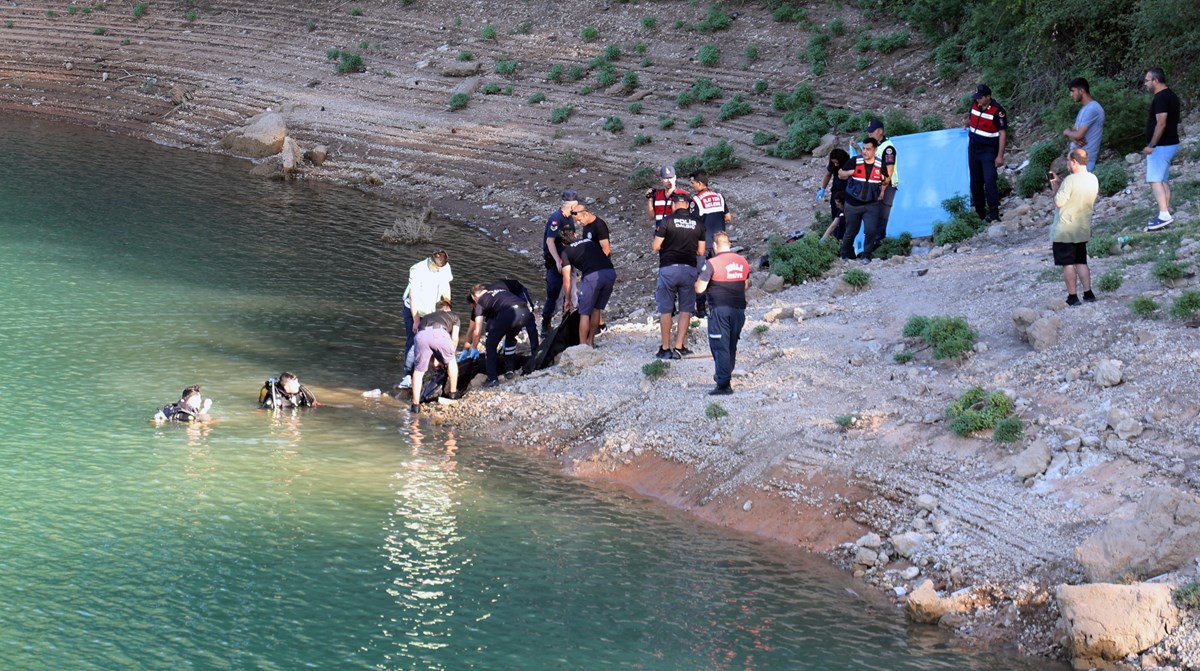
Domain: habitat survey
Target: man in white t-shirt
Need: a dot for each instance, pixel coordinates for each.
(428, 283)
(1089, 122)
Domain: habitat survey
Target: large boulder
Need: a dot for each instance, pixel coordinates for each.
(1163, 534)
(1033, 461)
(262, 137)
(1111, 622)
(1043, 333)
(574, 359)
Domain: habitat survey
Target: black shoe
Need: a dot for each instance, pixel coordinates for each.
(491, 383)
(510, 375)
(1073, 300)
(601, 329)
(721, 390)
(1089, 297)
(547, 323)
(414, 408)
(454, 395)
(682, 352)
(701, 311)
(663, 354)
(674, 355)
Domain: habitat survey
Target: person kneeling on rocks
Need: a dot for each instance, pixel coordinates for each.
(504, 314)
(725, 277)
(437, 334)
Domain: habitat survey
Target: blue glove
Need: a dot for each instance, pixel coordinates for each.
(821, 193)
(465, 354)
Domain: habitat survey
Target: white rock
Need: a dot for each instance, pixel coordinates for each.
(927, 502)
(1107, 372)
(871, 540)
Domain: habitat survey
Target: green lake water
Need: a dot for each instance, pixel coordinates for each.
(347, 537)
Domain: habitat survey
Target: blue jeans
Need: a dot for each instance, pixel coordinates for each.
(724, 328)
(981, 161)
(554, 286)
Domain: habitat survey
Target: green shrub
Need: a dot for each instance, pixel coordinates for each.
(97, 31)
(733, 108)
(761, 329)
(466, 56)
(863, 44)
(802, 259)
(903, 357)
(709, 55)
(1144, 306)
(1033, 178)
(649, 22)
(488, 32)
(504, 67)
(862, 63)
(715, 411)
(536, 98)
(635, 108)
(1188, 595)
(837, 27)
(760, 86)
(72, 9)
(642, 177)
(556, 72)
(606, 76)
(612, 53)
(629, 81)
(665, 122)
(685, 99)
(589, 33)
(898, 246)
(561, 114)
(576, 72)
(713, 160)
(1008, 430)
(949, 337)
(640, 48)
(356, 11)
(585, 89)
(655, 369)
(844, 421)
(716, 19)
(1101, 246)
(140, 9)
(347, 62)
(762, 137)
(892, 41)
(1113, 177)
(931, 122)
(641, 139)
(696, 121)
(458, 101)
(856, 277)
(1168, 270)
(613, 124)
(816, 52)
(490, 89)
(1186, 305)
(964, 223)
(751, 53)
(702, 90)
(786, 13)
(1110, 281)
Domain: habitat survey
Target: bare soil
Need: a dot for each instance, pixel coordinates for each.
(779, 464)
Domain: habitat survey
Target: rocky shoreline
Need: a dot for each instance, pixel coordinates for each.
(992, 542)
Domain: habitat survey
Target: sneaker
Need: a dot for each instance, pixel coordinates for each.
(510, 375)
(663, 354)
(1158, 223)
(721, 390)
(1089, 297)
(682, 352)
(406, 383)
(414, 408)
(491, 383)
(1073, 300)
(674, 355)
(601, 329)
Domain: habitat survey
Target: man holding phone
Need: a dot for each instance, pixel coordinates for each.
(1074, 200)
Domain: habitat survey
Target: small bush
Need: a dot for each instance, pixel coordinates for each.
(931, 122)
(635, 108)
(585, 89)
(641, 139)
(802, 259)
(762, 137)
(862, 63)
(665, 122)
(191, 15)
(125, 42)
(612, 53)
(856, 277)
(490, 89)
(642, 177)
(556, 72)
(1033, 178)
(1144, 306)
(72, 9)
(733, 108)
(844, 421)
(816, 52)
(506, 67)
(949, 337)
(1101, 245)
(1167, 270)
(412, 230)
(761, 329)
(613, 124)
(1188, 596)
(576, 72)
(964, 223)
(696, 121)
(898, 246)
(629, 81)
(606, 76)
(1186, 306)
(760, 87)
(750, 52)
(897, 123)
(1008, 430)
(655, 369)
(649, 22)
(355, 11)
(680, 25)
(589, 33)
(561, 114)
(715, 411)
(903, 357)
(786, 13)
(976, 410)
(640, 48)
(1113, 177)
(713, 160)
(536, 98)
(1110, 281)
(709, 55)
(886, 44)
(488, 32)
(837, 27)
(97, 31)
(715, 20)
(347, 62)
(140, 9)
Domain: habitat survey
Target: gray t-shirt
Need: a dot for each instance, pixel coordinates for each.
(1091, 115)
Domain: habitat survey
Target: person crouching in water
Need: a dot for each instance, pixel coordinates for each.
(504, 314)
(189, 408)
(438, 332)
(596, 287)
(285, 392)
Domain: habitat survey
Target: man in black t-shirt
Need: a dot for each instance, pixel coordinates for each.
(592, 227)
(558, 220)
(436, 334)
(596, 285)
(1162, 141)
(678, 239)
(504, 314)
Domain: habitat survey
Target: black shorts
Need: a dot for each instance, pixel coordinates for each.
(1069, 253)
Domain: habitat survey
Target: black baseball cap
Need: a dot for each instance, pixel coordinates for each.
(982, 91)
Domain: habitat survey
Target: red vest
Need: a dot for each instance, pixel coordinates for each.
(985, 125)
(661, 199)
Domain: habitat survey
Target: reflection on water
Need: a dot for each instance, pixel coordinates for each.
(348, 536)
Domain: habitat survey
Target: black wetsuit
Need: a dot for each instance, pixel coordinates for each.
(272, 396)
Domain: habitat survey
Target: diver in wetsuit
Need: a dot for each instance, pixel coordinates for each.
(189, 408)
(285, 392)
